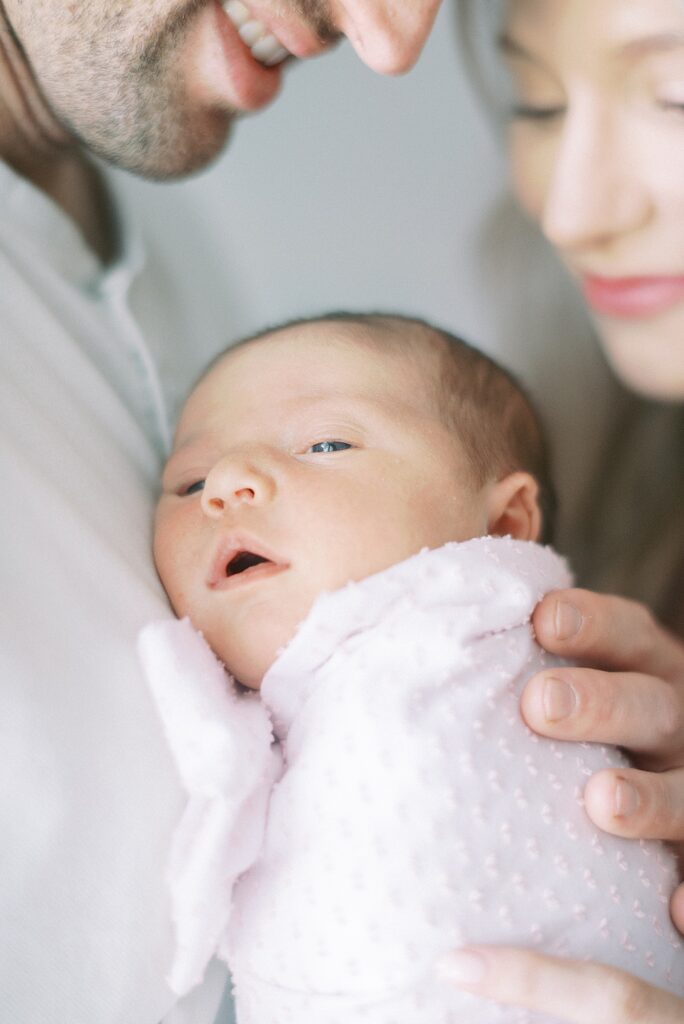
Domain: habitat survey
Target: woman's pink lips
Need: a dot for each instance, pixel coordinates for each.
(632, 297)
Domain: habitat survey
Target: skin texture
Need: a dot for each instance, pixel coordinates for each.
(580, 993)
(251, 469)
(597, 156)
(153, 85)
(602, 173)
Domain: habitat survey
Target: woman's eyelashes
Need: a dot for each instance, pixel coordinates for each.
(527, 112)
(671, 106)
(324, 447)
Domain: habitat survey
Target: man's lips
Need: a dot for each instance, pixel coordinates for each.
(632, 297)
(239, 51)
(240, 559)
(272, 36)
(263, 45)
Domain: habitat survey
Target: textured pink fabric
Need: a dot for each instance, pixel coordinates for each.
(222, 746)
(417, 812)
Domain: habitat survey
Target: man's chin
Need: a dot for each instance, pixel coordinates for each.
(178, 155)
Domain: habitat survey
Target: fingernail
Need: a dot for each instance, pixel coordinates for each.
(568, 620)
(462, 968)
(626, 799)
(559, 700)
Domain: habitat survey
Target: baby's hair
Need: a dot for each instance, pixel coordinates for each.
(482, 403)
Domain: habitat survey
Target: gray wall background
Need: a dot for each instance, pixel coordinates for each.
(354, 191)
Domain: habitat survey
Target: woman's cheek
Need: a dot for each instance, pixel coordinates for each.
(530, 173)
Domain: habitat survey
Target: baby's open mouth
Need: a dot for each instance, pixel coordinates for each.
(236, 560)
(244, 560)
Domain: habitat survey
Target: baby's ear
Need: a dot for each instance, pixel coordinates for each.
(513, 507)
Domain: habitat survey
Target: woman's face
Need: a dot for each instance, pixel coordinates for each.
(597, 152)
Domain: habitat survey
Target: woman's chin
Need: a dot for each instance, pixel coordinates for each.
(648, 357)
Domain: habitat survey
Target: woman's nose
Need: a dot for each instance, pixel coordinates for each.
(237, 480)
(595, 195)
(388, 36)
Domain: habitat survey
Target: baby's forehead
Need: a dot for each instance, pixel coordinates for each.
(312, 364)
(397, 353)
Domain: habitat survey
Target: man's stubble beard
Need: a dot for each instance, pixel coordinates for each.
(129, 108)
(153, 132)
(148, 125)
(132, 108)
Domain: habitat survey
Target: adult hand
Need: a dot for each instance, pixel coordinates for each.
(573, 991)
(628, 690)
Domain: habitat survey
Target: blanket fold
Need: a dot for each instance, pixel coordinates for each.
(221, 742)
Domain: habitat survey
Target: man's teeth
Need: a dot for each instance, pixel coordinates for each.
(264, 46)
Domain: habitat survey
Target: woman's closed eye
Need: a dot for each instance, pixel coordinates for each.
(531, 112)
(325, 447)
(671, 106)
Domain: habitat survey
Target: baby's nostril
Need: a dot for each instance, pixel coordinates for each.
(216, 503)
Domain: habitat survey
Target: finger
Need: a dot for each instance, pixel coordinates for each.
(677, 908)
(607, 631)
(639, 712)
(635, 804)
(573, 991)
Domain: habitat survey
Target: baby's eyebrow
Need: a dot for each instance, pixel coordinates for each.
(341, 404)
(180, 454)
(169, 469)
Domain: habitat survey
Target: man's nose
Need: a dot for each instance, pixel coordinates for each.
(388, 35)
(595, 195)
(239, 479)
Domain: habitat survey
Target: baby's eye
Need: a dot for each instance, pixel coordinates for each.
(328, 446)
(194, 488)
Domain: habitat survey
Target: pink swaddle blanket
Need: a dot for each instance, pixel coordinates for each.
(405, 809)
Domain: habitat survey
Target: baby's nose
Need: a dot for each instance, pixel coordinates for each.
(236, 481)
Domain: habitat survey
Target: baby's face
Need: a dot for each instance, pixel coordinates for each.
(302, 461)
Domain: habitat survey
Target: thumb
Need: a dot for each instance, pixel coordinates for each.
(677, 908)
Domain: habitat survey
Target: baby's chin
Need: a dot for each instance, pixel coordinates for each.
(251, 684)
(248, 647)
(249, 636)
(247, 670)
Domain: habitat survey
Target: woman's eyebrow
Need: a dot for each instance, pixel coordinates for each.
(642, 46)
(639, 46)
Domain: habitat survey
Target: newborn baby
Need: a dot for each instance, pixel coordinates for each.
(404, 808)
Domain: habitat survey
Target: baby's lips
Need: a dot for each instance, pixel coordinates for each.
(232, 547)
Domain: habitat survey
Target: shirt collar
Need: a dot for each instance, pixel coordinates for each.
(42, 224)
